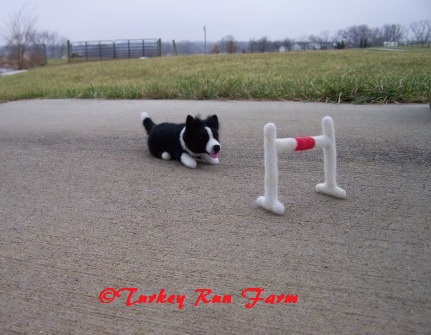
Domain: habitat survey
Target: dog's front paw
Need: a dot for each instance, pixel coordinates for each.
(188, 160)
(207, 158)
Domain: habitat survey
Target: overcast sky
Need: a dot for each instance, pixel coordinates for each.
(85, 20)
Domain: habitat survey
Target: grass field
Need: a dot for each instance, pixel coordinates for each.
(356, 76)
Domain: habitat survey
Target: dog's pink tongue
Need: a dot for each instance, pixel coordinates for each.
(214, 155)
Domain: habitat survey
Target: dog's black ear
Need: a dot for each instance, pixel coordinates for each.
(212, 121)
(190, 121)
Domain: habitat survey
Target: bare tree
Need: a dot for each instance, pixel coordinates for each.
(262, 44)
(55, 46)
(421, 31)
(377, 36)
(325, 36)
(20, 34)
(231, 47)
(252, 45)
(287, 44)
(228, 44)
(357, 35)
(215, 49)
(314, 38)
(393, 32)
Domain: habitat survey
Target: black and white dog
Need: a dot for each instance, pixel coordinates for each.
(185, 142)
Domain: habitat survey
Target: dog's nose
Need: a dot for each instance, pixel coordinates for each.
(216, 148)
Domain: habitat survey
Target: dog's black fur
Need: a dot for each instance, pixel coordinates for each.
(185, 141)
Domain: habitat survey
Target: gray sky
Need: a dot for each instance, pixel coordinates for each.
(85, 20)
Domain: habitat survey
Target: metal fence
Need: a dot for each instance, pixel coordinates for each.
(99, 50)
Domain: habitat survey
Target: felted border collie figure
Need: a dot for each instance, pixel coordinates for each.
(185, 142)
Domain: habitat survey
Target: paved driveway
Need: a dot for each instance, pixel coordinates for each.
(84, 207)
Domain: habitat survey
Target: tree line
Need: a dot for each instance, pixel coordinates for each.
(26, 46)
(357, 36)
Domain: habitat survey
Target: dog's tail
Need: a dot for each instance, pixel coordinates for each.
(147, 122)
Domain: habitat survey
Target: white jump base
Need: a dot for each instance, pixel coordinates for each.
(274, 145)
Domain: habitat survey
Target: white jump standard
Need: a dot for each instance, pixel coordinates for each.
(274, 145)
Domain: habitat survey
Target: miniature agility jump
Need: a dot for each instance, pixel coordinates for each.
(274, 145)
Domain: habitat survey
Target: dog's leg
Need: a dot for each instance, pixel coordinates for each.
(188, 160)
(207, 158)
(166, 156)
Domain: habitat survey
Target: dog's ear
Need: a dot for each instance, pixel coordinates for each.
(190, 121)
(212, 121)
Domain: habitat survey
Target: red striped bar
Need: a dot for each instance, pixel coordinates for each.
(304, 143)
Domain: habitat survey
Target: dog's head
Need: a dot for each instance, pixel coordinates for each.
(201, 136)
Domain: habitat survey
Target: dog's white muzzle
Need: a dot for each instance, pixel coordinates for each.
(213, 146)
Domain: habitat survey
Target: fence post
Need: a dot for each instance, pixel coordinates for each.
(69, 51)
(175, 47)
(159, 44)
(45, 58)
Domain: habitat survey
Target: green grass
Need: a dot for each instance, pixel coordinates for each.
(355, 76)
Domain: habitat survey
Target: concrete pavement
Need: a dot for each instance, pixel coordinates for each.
(84, 207)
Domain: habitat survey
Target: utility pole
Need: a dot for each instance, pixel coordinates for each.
(205, 39)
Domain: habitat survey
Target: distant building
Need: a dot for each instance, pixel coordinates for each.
(305, 46)
(314, 46)
(296, 47)
(390, 44)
